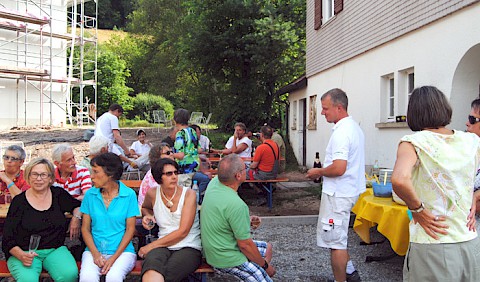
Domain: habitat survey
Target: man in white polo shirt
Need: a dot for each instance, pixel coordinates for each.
(107, 125)
(343, 181)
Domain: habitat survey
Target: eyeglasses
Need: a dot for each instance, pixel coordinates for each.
(13, 159)
(471, 119)
(35, 175)
(170, 173)
(245, 168)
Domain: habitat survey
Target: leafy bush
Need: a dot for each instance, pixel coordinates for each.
(145, 103)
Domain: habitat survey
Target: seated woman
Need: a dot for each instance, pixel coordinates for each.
(141, 146)
(40, 210)
(11, 179)
(109, 210)
(177, 252)
(98, 144)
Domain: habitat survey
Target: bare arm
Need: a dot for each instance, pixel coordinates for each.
(254, 164)
(403, 187)
(88, 239)
(250, 250)
(14, 190)
(186, 221)
(120, 142)
(337, 168)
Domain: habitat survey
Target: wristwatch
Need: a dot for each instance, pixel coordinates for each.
(265, 266)
(79, 216)
(419, 209)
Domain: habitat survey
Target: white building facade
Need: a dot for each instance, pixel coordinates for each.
(378, 52)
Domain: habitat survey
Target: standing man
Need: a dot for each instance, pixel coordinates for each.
(107, 125)
(225, 226)
(68, 175)
(266, 160)
(343, 181)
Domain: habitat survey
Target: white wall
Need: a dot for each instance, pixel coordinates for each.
(433, 51)
(14, 94)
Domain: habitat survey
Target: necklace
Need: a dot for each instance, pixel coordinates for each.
(169, 203)
(108, 200)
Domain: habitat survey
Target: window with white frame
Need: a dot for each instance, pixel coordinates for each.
(410, 84)
(391, 97)
(327, 9)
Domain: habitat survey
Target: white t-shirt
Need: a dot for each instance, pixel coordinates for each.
(140, 149)
(105, 126)
(204, 142)
(247, 153)
(346, 143)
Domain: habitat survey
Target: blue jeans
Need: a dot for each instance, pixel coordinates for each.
(202, 182)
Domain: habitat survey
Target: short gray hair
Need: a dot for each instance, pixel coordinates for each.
(337, 96)
(59, 149)
(228, 166)
(97, 142)
(17, 149)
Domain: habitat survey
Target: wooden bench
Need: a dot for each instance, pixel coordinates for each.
(267, 185)
(199, 275)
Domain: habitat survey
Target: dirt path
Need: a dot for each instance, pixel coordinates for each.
(292, 201)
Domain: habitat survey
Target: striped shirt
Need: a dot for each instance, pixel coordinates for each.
(79, 182)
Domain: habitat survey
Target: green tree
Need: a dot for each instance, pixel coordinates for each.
(111, 85)
(247, 51)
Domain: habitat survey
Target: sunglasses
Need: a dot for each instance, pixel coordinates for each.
(472, 120)
(170, 173)
(13, 159)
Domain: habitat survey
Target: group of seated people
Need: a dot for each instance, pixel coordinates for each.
(104, 211)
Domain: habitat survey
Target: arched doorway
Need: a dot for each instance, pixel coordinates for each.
(465, 86)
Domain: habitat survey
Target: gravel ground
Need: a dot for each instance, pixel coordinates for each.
(296, 256)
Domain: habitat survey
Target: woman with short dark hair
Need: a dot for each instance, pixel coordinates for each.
(177, 251)
(434, 175)
(109, 210)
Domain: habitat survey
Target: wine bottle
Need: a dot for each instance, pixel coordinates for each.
(317, 164)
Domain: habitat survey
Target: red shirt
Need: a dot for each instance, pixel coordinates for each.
(264, 155)
(18, 180)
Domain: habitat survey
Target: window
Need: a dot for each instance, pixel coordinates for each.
(325, 10)
(391, 97)
(410, 84)
(294, 115)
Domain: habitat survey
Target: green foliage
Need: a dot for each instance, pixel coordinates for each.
(218, 138)
(133, 123)
(226, 57)
(111, 85)
(145, 103)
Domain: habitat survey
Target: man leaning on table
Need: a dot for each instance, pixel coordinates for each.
(343, 181)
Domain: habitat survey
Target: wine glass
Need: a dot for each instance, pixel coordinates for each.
(150, 238)
(34, 242)
(254, 224)
(103, 248)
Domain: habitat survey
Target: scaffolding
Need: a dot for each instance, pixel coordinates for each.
(48, 58)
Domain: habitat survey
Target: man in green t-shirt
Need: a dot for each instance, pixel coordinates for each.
(225, 226)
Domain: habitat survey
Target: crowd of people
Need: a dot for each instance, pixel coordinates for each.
(103, 211)
(436, 174)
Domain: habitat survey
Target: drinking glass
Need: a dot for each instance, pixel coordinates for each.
(254, 224)
(8, 198)
(34, 242)
(103, 248)
(150, 238)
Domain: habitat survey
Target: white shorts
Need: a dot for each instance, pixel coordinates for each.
(333, 220)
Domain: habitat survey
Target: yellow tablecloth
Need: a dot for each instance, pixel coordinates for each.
(392, 220)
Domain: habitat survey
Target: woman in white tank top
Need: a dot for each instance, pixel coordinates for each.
(177, 251)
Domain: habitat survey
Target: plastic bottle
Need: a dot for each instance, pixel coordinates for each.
(195, 188)
(376, 168)
(317, 164)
